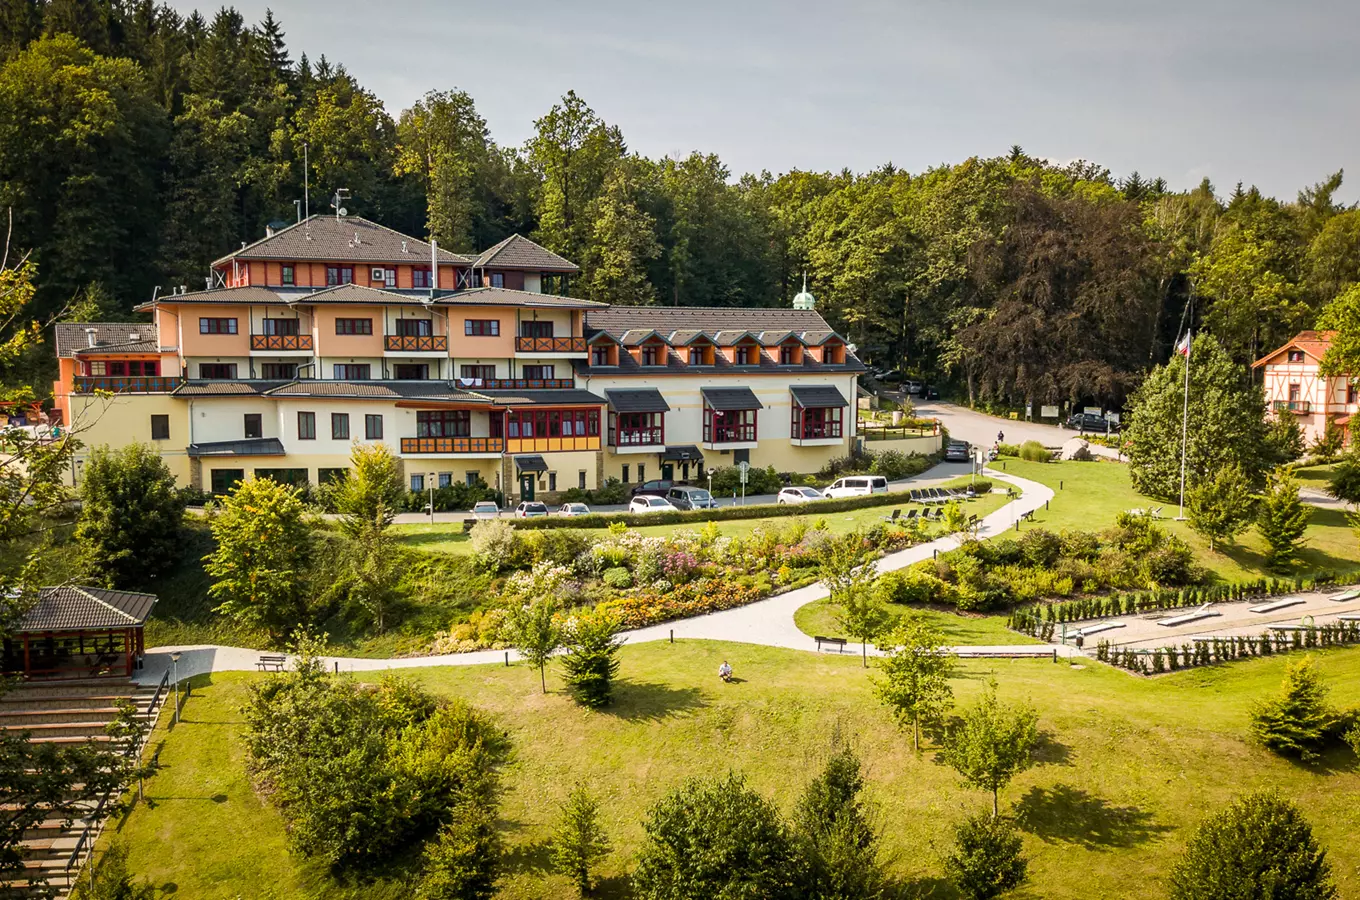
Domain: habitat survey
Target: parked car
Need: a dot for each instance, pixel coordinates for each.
(652, 489)
(648, 503)
(1084, 421)
(485, 509)
(685, 497)
(857, 486)
(530, 509)
(911, 387)
(892, 377)
(573, 509)
(799, 495)
(929, 393)
(957, 451)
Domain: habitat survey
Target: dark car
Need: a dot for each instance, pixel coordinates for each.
(1084, 421)
(651, 489)
(957, 451)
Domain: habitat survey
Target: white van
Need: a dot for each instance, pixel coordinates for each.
(857, 486)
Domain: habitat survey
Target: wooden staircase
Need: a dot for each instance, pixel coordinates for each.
(69, 712)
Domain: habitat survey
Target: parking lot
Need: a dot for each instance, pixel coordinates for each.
(1145, 631)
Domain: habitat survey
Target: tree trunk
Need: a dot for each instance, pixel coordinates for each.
(995, 811)
(864, 652)
(916, 734)
(543, 677)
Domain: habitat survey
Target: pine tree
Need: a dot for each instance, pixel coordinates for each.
(591, 661)
(1298, 721)
(1282, 520)
(986, 861)
(580, 842)
(838, 841)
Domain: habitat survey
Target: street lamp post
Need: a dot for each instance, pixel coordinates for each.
(174, 662)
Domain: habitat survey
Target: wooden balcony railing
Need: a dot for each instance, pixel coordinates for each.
(280, 342)
(1302, 407)
(131, 384)
(453, 445)
(417, 343)
(550, 345)
(517, 384)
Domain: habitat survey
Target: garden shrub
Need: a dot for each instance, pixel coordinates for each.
(912, 585)
(496, 545)
(618, 578)
(982, 486)
(1033, 451)
(895, 465)
(611, 493)
(727, 481)
(1007, 449)
(1172, 564)
(457, 496)
(1041, 547)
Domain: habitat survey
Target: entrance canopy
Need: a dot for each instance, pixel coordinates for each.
(531, 463)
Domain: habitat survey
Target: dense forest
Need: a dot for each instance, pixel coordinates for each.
(136, 145)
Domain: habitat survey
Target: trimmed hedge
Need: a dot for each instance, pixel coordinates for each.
(1225, 649)
(722, 514)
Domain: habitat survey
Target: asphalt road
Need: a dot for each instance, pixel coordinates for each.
(980, 428)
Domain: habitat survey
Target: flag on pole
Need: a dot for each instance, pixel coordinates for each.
(1183, 346)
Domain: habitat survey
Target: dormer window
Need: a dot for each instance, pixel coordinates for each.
(696, 356)
(833, 353)
(1296, 356)
(601, 355)
(651, 355)
(742, 356)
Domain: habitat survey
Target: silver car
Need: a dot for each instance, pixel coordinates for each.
(573, 509)
(799, 495)
(485, 509)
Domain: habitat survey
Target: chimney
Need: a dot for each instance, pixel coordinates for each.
(269, 231)
(434, 266)
(89, 336)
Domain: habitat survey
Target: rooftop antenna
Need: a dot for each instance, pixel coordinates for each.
(306, 184)
(337, 203)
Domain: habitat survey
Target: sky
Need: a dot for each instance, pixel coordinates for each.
(1259, 91)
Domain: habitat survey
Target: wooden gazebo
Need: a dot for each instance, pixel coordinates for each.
(79, 632)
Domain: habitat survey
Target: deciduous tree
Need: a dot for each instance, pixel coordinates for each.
(130, 516)
(847, 571)
(994, 742)
(986, 861)
(536, 634)
(1221, 505)
(916, 672)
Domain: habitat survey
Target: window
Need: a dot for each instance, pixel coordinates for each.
(476, 373)
(217, 370)
(625, 474)
(288, 275)
(651, 355)
(373, 429)
(223, 480)
(254, 425)
(599, 356)
(279, 326)
(497, 280)
(417, 483)
(1293, 393)
(553, 423)
(496, 421)
(354, 326)
(741, 356)
(351, 371)
(482, 327)
(389, 277)
(278, 371)
(786, 355)
(340, 426)
(552, 481)
(642, 472)
(812, 424)
(160, 428)
(729, 426)
(306, 426)
(216, 326)
(331, 476)
(420, 278)
(535, 329)
(696, 356)
(444, 423)
(1295, 356)
(833, 354)
(339, 275)
(581, 479)
(293, 477)
(636, 429)
(411, 371)
(1352, 393)
(471, 478)
(415, 327)
(538, 373)
(445, 479)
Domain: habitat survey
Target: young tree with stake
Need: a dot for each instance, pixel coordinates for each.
(536, 634)
(995, 743)
(846, 571)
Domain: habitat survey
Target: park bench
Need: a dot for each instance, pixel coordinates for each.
(270, 663)
(838, 643)
(467, 525)
(1027, 516)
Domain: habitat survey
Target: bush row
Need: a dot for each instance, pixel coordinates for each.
(1204, 653)
(1038, 620)
(725, 513)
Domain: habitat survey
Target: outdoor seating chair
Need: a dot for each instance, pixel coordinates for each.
(911, 514)
(896, 514)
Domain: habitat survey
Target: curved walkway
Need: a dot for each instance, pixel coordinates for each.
(766, 622)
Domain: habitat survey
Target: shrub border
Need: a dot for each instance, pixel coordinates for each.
(1171, 658)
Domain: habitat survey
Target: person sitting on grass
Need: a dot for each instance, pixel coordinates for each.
(725, 671)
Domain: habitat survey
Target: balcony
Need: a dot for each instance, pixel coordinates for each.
(729, 434)
(550, 345)
(517, 384)
(131, 384)
(638, 440)
(281, 342)
(453, 445)
(416, 343)
(1299, 407)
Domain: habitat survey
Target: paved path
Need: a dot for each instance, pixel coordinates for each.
(766, 622)
(981, 429)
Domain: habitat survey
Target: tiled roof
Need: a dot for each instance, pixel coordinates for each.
(709, 319)
(248, 447)
(516, 252)
(151, 346)
(818, 396)
(237, 295)
(531, 462)
(637, 400)
(73, 608)
(71, 336)
(734, 398)
(357, 293)
(225, 388)
(382, 390)
(493, 296)
(541, 398)
(1314, 343)
(353, 238)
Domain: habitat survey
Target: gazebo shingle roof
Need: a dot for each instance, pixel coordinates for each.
(75, 608)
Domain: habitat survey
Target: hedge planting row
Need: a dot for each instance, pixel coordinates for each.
(1225, 649)
(1039, 620)
(727, 513)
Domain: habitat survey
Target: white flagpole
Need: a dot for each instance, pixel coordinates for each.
(1185, 419)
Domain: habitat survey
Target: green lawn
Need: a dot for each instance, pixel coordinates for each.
(1317, 477)
(1127, 766)
(1092, 493)
(448, 537)
(819, 617)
